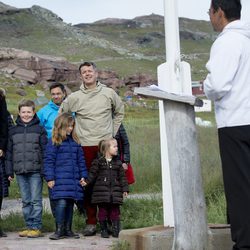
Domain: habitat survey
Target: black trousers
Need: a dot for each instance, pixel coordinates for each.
(234, 145)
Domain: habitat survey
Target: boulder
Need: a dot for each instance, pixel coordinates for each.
(26, 75)
(9, 69)
(110, 78)
(33, 68)
(139, 80)
(21, 92)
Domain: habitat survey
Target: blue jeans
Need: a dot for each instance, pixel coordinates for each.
(64, 211)
(30, 186)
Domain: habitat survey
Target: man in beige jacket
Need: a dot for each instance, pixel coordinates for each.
(99, 112)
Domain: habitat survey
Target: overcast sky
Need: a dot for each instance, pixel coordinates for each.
(87, 11)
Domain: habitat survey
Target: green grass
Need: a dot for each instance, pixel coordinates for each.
(121, 245)
(142, 213)
(147, 212)
(12, 98)
(135, 213)
(125, 66)
(216, 207)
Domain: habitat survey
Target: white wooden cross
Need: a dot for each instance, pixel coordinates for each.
(183, 198)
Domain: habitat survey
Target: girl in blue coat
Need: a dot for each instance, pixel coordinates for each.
(65, 172)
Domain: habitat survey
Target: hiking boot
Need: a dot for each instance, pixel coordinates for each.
(34, 233)
(89, 230)
(24, 233)
(110, 231)
(59, 233)
(2, 234)
(69, 233)
(115, 228)
(104, 229)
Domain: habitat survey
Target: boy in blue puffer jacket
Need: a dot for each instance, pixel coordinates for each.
(65, 172)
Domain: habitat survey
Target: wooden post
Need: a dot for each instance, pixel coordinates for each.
(188, 199)
(183, 198)
(183, 156)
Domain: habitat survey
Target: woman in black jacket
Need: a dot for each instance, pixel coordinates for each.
(3, 141)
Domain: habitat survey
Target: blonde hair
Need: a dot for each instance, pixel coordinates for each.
(104, 145)
(59, 133)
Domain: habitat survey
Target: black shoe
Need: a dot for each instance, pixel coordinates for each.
(59, 233)
(115, 228)
(110, 231)
(56, 236)
(2, 234)
(68, 233)
(89, 230)
(104, 229)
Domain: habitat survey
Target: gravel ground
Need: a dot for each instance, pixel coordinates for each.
(14, 242)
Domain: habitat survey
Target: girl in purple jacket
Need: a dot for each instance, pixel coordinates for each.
(65, 172)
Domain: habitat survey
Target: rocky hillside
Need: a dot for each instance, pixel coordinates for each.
(32, 68)
(127, 47)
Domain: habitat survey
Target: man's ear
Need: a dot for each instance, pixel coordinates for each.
(221, 13)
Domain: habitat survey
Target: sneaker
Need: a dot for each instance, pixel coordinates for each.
(89, 230)
(34, 233)
(2, 234)
(24, 233)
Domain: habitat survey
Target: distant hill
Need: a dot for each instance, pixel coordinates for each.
(127, 46)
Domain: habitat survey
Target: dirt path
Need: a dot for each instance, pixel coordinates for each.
(14, 242)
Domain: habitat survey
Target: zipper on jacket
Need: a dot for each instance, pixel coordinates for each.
(24, 145)
(74, 167)
(111, 182)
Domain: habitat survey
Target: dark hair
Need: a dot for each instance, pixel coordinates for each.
(2, 93)
(87, 64)
(231, 8)
(57, 85)
(26, 103)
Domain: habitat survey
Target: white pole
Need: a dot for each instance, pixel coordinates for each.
(173, 76)
(178, 73)
(172, 43)
(168, 80)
